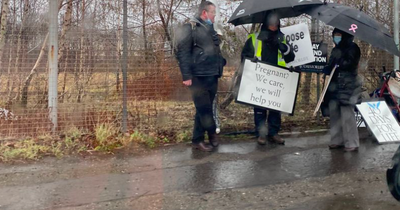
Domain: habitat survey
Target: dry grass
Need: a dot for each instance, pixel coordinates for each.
(159, 112)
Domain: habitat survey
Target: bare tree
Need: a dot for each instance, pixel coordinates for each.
(79, 84)
(3, 26)
(28, 79)
(19, 47)
(145, 42)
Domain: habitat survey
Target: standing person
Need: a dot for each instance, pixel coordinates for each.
(201, 64)
(344, 91)
(271, 47)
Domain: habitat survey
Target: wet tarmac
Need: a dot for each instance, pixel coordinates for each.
(237, 166)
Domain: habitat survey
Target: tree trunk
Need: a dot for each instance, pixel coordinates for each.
(82, 53)
(9, 75)
(144, 29)
(28, 79)
(119, 47)
(3, 29)
(66, 26)
(27, 82)
(65, 77)
(19, 47)
(165, 22)
(63, 46)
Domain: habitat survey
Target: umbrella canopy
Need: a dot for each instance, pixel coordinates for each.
(255, 11)
(356, 23)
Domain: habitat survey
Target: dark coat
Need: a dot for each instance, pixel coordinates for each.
(198, 50)
(346, 85)
(269, 52)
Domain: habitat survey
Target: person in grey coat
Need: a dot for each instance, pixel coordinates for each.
(344, 92)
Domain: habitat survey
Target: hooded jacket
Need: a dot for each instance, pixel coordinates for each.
(345, 86)
(269, 52)
(198, 50)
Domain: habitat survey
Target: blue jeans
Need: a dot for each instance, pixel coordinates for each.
(274, 122)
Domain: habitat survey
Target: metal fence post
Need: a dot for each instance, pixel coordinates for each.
(318, 74)
(53, 64)
(125, 67)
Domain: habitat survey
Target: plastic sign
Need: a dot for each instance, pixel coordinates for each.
(298, 37)
(380, 120)
(268, 86)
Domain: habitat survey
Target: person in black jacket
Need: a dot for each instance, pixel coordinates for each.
(275, 51)
(201, 64)
(344, 91)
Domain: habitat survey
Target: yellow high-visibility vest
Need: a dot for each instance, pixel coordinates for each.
(257, 44)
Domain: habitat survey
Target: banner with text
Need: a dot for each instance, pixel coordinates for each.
(268, 86)
(321, 57)
(380, 120)
(298, 36)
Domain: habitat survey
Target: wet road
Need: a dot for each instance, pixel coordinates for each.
(303, 174)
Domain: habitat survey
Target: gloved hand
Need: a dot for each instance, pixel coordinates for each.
(255, 60)
(294, 69)
(283, 47)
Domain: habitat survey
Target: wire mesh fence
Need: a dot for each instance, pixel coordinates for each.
(90, 79)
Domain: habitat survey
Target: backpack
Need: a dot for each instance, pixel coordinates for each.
(179, 37)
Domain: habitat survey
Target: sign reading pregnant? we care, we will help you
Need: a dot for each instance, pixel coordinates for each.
(268, 86)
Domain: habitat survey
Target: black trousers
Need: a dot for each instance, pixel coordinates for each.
(274, 122)
(203, 91)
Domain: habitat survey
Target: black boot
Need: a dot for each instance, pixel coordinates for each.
(213, 140)
(202, 147)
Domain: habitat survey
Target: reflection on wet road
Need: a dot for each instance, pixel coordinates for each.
(179, 168)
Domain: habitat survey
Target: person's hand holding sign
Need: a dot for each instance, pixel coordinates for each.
(283, 48)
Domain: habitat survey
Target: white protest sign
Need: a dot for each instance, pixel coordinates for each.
(268, 86)
(380, 120)
(298, 36)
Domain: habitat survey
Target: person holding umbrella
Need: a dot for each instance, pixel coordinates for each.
(344, 91)
(268, 46)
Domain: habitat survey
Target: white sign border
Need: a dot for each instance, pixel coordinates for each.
(309, 52)
(240, 82)
(368, 126)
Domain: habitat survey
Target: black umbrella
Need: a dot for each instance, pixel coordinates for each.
(255, 11)
(355, 23)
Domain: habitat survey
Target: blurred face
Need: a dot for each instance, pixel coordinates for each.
(209, 13)
(273, 27)
(337, 34)
(273, 23)
(337, 38)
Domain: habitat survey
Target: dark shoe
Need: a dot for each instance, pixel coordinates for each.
(276, 139)
(214, 140)
(335, 146)
(351, 149)
(261, 140)
(202, 147)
